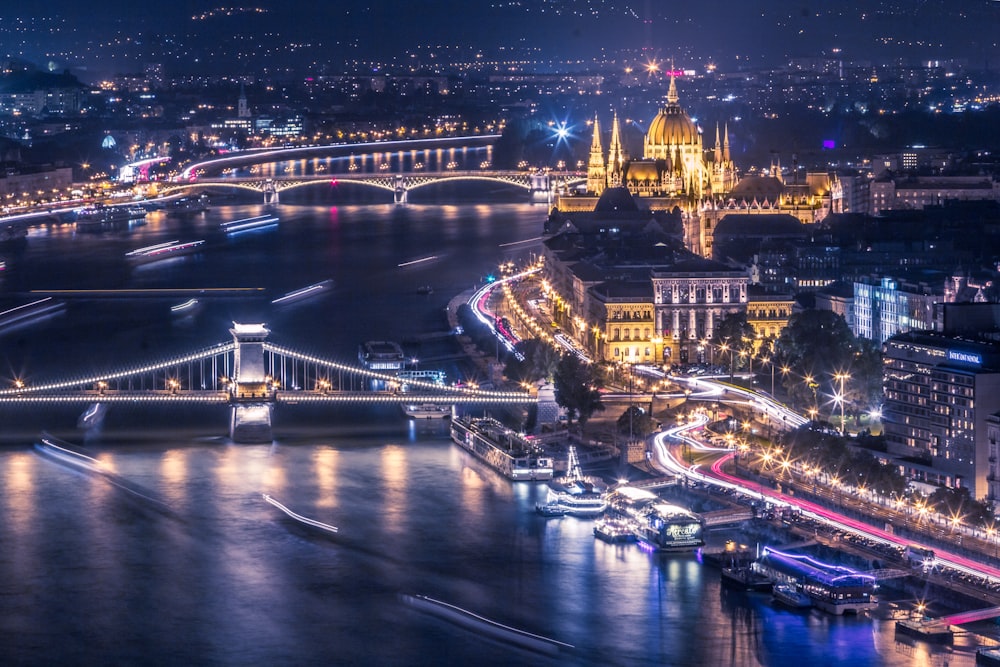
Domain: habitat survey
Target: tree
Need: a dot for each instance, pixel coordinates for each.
(537, 361)
(815, 344)
(636, 422)
(576, 388)
(735, 337)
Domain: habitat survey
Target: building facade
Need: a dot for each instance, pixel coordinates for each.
(940, 392)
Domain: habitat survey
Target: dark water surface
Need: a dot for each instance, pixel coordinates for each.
(200, 570)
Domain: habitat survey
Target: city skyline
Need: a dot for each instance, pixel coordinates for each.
(114, 37)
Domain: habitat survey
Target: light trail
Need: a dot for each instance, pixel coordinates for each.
(715, 476)
(417, 261)
(532, 240)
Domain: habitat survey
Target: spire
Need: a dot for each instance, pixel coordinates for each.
(595, 145)
(725, 146)
(718, 147)
(672, 92)
(596, 171)
(616, 154)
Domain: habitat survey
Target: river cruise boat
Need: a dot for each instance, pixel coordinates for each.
(502, 449)
(575, 494)
(835, 589)
(97, 217)
(658, 525)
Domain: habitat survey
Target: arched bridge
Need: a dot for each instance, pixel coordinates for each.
(252, 375)
(398, 184)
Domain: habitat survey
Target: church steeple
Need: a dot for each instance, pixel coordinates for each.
(725, 146)
(718, 148)
(616, 154)
(242, 111)
(597, 177)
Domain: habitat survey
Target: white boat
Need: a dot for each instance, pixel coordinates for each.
(184, 307)
(791, 596)
(246, 224)
(575, 494)
(30, 311)
(302, 293)
(502, 449)
(163, 250)
(427, 411)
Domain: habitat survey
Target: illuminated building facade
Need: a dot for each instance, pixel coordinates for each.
(940, 390)
(677, 172)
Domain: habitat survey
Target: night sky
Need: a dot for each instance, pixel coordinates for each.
(291, 31)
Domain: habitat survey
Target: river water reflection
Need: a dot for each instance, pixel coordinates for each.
(93, 574)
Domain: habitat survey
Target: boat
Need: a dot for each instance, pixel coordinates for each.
(313, 523)
(246, 224)
(835, 589)
(184, 307)
(99, 216)
(746, 579)
(485, 626)
(190, 204)
(613, 531)
(163, 250)
(30, 311)
(575, 494)
(510, 454)
(428, 411)
(381, 355)
(299, 294)
(657, 525)
(791, 596)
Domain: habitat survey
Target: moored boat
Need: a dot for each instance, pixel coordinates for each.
(501, 448)
(746, 579)
(658, 525)
(575, 494)
(427, 411)
(791, 596)
(98, 216)
(613, 531)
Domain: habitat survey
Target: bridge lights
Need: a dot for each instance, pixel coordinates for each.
(173, 385)
(101, 387)
(322, 385)
(18, 384)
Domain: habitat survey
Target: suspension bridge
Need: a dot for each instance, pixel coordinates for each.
(251, 375)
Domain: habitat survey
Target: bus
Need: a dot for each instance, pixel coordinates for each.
(919, 557)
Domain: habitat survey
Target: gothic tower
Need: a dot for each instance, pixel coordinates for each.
(597, 173)
(616, 156)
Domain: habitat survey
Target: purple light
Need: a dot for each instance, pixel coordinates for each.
(829, 144)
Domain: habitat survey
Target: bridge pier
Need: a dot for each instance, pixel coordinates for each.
(399, 193)
(271, 195)
(251, 398)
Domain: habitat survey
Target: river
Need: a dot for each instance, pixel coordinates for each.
(198, 569)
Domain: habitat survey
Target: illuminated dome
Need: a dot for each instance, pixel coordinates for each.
(672, 126)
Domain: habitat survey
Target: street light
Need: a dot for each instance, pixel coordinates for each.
(840, 377)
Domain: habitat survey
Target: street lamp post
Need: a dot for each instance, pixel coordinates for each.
(841, 377)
